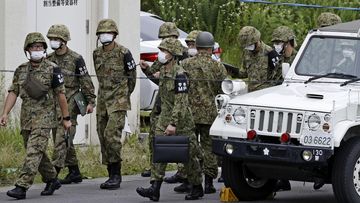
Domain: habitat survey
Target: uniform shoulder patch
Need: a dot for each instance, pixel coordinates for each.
(80, 67)
(129, 61)
(58, 78)
(181, 84)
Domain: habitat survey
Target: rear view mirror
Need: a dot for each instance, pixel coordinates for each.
(285, 68)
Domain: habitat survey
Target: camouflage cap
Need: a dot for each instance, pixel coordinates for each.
(327, 19)
(248, 35)
(192, 36)
(172, 45)
(205, 40)
(168, 29)
(59, 31)
(34, 37)
(107, 25)
(283, 33)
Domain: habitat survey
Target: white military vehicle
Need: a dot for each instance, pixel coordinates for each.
(306, 129)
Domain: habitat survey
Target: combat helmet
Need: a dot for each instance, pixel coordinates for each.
(327, 19)
(205, 40)
(107, 25)
(59, 31)
(172, 45)
(283, 33)
(192, 36)
(168, 29)
(34, 37)
(249, 35)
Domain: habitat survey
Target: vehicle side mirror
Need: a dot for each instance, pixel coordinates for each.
(284, 69)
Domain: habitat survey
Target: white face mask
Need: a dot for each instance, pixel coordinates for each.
(250, 48)
(106, 38)
(348, 53)
(162, 57)
(192, 51)
(278, 47)
(54, 44)
(215, 58)
(37, 55)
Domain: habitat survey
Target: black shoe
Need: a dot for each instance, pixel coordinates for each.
(209, 186)
(318, 183)
(283, 185)
(74, 176)
(196, 192)
(18, 192)
(50, 187)
(185, 187)
(176, 178)
(102, 185)
(115, 178)
(146, 173)
(152, 192)
(220, 179)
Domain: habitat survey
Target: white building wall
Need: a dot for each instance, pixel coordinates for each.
(19, 17)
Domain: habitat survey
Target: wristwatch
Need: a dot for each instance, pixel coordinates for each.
(66, 118)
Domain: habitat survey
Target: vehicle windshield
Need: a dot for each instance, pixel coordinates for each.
(330, 55)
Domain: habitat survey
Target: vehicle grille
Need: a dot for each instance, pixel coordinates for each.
(274, 122)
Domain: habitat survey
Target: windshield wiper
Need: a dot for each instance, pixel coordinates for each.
(350, 81)
(338, 75)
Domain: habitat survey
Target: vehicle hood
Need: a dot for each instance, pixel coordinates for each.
(297, 96)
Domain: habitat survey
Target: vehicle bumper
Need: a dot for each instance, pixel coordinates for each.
(266, 152)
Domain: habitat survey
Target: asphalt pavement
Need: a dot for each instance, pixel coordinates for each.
(88, 191)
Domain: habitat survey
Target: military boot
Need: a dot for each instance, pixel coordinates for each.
(102, 185)
(209, 186)
(283, 185)
(152, 192)
(18, 192)
(115, 177)
(74, 175)
(196, 192)
(318, 183)
(176, 178)
(146, 173)
(50, 187)
(185, 187)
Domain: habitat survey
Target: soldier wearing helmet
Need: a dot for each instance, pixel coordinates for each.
(190, 42)
(116, 72)
(173, 91)
(327, 19)
(255, 58)
(77, 82)
(283, 39)
(38, 82)
(206, 75)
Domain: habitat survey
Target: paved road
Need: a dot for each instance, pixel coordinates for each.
(89, 192)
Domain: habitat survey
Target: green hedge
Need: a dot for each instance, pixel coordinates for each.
(224, 18)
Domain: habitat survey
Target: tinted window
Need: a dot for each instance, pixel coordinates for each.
(330, 55)
(149, 28)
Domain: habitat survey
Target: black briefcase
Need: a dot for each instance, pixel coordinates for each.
(171, 149)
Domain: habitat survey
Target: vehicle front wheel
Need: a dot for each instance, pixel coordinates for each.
(245, 185)
(346, 172)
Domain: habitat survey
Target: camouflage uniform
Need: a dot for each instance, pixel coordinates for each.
(255, 63)
(37, 116)
(115, 71)
(327, 19)
(76, 77)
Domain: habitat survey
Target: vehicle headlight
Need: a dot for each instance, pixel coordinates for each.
(239, 115)
(314, 122)
(233, 86)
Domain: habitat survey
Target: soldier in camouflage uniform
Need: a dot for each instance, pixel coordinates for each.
(38, 83)
(205, 76)
(175, 119)
(166, 30)
(283, 39)
(190, 42)
(255, 58)
(116, 72)
(327, 19)
(77, 81)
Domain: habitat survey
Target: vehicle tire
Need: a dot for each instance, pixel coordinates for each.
(346, 172)
(245, 188)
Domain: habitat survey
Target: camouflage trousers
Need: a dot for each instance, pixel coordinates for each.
(64, 149)
(36, 142)
(153, 119)
(192, 168)
(109, 128)
(209, 162)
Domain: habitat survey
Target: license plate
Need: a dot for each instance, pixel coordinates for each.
(316, 140)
